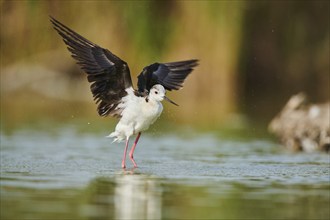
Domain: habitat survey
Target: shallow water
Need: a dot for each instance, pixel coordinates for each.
(73, 175)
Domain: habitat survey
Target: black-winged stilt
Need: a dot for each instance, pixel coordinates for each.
(112, 88)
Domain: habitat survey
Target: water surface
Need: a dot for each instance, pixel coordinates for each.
(72, 175)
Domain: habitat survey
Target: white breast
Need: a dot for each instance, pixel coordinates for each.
(137, 116)
(150, 111)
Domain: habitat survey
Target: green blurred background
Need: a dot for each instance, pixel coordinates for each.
(253, 56)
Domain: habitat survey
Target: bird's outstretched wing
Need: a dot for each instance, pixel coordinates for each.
(108, 74)
(170, 75)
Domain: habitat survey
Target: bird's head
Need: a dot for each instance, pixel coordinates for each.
(157, 93)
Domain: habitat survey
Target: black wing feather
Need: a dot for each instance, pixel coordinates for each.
(171, 75)
(109, 75)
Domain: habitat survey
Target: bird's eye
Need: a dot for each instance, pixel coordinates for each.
(156, 92)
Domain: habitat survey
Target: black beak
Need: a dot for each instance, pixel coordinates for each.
(170, 101)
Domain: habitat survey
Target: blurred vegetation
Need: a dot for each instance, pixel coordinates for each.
(285, 51)
(253, 55)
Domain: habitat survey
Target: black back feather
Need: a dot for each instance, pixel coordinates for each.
(170, 75)
(108, 74)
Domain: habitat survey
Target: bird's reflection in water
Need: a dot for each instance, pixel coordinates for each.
(126, 195)
(137, 196)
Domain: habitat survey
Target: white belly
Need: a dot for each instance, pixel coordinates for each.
(137, 117)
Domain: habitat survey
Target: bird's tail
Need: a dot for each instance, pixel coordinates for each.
(116, 137)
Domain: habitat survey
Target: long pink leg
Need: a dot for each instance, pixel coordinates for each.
(125, 151)
(133, 148)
